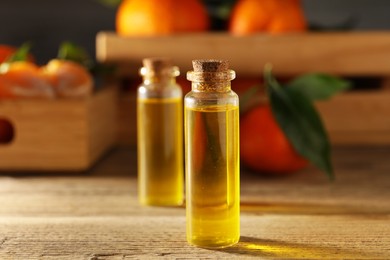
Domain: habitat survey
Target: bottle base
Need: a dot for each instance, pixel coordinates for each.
(213, 243)
(162, 203)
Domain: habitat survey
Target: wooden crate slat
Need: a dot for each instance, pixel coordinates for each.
(57, 135)
(351, 118)
(357, 111)
(352, 53)
(361, 117)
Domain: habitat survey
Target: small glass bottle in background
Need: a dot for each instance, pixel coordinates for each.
(212, 156)
(160, 135)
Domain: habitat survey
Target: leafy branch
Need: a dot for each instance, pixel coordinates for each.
(294, 111)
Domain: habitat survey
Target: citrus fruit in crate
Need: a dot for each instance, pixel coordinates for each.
(264, 147)
(160, 17)
(273, 16)
(68, 78)
(23, 79)
(5, 52)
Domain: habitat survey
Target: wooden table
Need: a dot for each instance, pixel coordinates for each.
(95, 215)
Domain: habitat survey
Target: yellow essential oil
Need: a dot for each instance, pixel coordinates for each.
(212, 157)
(160, 136)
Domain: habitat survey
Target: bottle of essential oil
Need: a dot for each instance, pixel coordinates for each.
(160, 134)
(212, 156)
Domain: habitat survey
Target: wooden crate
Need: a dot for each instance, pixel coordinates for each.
(354, 53)
(59, 135)
(353, 118)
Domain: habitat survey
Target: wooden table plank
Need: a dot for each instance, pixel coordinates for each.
(281, 236)
(95, 215)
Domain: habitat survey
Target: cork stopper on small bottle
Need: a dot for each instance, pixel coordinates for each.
(158, 66)
(210, 73)
(210, 65)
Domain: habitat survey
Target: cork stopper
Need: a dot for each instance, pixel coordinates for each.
(157, 64)
(211, 75)
(210, 65)
(211, 71)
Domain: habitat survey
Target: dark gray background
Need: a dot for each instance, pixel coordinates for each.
(47, 23)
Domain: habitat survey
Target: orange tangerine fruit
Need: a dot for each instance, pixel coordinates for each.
(273, 16)
(68, 78)
(264, 147)
(160, 17)
(23, 79)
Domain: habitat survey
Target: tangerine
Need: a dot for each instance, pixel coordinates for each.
(23, 79)
(68, 78)
(160, 17)
(264, 147)
(273, 16)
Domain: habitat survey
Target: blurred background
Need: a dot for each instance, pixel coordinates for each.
(47, 23)
(358, 58)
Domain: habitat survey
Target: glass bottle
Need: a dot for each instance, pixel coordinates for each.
(212, 156)
(160, 135)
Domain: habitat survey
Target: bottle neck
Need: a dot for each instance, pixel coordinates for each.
(159, 80)
(211, 86)
(161, 77)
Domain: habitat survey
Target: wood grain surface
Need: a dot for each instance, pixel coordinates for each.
(61, 134)
(357, 117)
(95, 214)
(343, 53)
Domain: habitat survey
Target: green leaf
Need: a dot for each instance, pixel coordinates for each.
(301, 123)
(72, 52)
(21, 54)
(318, 86)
